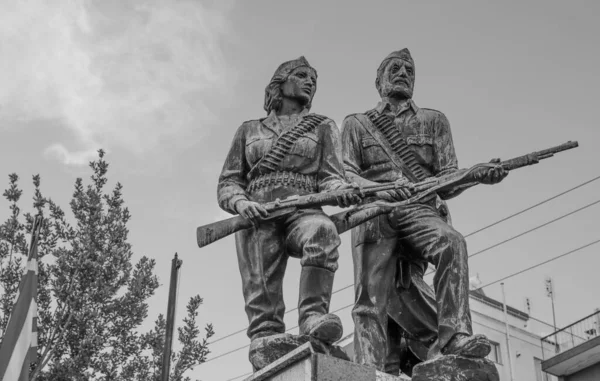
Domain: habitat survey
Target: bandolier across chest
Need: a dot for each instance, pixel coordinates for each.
(397, 143)
(265, 173)
(271, 161)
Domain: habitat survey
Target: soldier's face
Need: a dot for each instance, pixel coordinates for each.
(398, 79)
(301, 85)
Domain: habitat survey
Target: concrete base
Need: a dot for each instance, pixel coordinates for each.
(304, 364)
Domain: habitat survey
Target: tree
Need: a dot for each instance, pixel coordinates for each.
(91, 298)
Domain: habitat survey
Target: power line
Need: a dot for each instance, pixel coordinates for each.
(235, 378)
(528, 231)
(534, 206)
(237, 332)
(226, 353)
(486, 285)
(541, 321)
(472, 233)
(499, 331)
(543, 263)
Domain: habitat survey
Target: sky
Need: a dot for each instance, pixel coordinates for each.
(163, 85)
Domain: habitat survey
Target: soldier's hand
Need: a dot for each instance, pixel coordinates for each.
(349, 198)
(389, 196)
(491, 175)
(404, 189)
(393, 195)
(251, 210)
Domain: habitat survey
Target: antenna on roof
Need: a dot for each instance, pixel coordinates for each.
(527, 308)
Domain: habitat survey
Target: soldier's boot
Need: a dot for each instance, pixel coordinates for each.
(316, 285)
(468, 346)
(461, 344)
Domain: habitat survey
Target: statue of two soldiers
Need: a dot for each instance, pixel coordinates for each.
(399, 320)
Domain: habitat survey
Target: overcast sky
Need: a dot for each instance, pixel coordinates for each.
(163, 85)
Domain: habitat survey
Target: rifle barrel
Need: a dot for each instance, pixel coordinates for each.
(535, 157)
(563, 147)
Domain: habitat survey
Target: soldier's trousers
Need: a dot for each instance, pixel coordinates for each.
(415, 233)
(263, 252)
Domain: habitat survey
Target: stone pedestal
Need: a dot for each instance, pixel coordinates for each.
(304, 364)
(267, 350)
(455, 368)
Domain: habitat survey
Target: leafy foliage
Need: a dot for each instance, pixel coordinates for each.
(91, 298)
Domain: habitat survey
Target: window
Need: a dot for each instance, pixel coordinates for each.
(495, 353)
(539, 375)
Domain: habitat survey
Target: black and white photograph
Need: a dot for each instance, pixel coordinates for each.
(338, 190)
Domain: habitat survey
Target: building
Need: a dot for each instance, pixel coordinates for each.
(576, 355)
(527, 351)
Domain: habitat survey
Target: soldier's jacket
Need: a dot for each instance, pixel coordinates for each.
(426, 131)
(316, 156)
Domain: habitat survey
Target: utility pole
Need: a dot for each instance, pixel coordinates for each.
(528, 309)
(550, 294)
(510, 366)
(166, 365)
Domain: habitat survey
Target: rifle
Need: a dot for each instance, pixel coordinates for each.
(346, 220)
(461, 179)
(210, 233)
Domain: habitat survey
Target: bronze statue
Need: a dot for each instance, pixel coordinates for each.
(291, 152)
(398, 140)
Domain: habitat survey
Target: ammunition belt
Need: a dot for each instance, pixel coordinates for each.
(297, 180)
(399, 146)
(270, 162)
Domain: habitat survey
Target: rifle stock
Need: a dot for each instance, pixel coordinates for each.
(209, 233)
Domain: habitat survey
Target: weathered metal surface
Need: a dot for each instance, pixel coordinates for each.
(289, 153)
(394, 307)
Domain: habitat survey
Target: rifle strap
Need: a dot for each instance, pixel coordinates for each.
(282, 146)
(386, 126)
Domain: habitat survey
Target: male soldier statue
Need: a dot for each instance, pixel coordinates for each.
(399, 141)
(290, 152)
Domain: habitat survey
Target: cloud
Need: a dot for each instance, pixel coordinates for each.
(80, 157)
(116, 73)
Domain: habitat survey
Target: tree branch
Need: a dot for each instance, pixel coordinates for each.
(49, 351)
